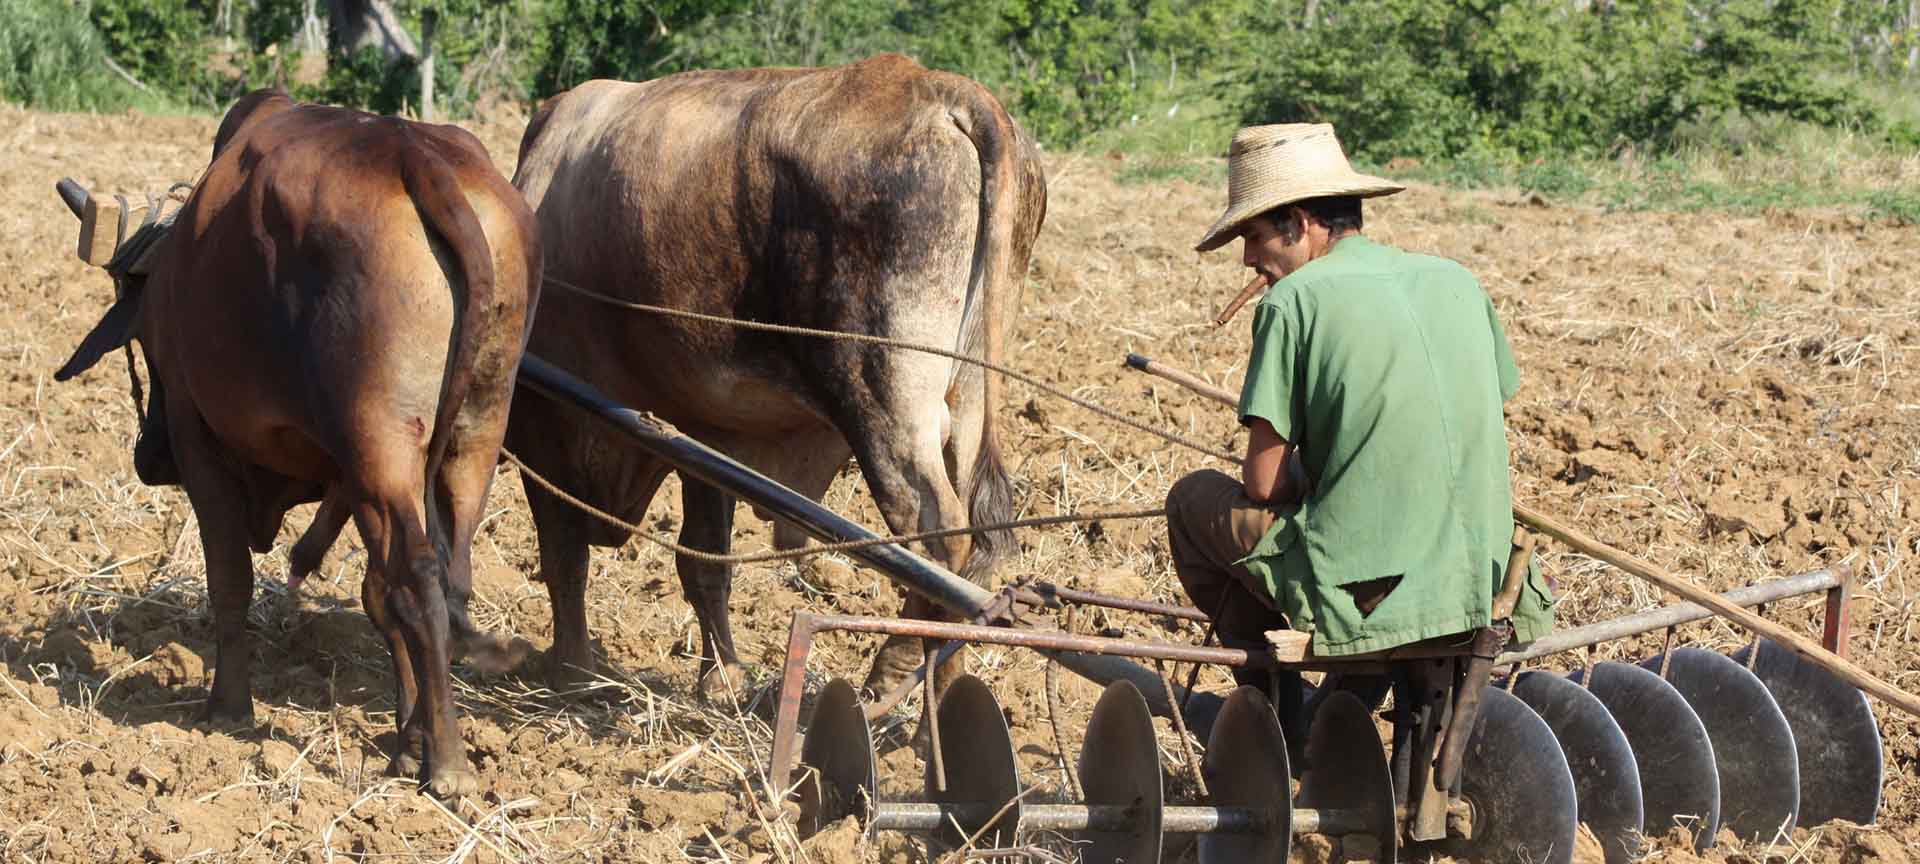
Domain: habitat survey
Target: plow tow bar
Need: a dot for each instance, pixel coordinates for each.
(949, 591)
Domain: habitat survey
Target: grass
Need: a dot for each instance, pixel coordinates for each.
(51, 57)
(1733, 164)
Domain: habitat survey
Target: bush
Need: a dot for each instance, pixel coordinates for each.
(1439, 78)
(162, 43)
(51, 57)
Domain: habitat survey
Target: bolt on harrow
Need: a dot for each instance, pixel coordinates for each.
(1502, 768)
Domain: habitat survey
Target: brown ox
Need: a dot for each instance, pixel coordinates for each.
(340, 307)
(877, 198)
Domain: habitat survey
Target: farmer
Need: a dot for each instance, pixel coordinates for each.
(1374, 507)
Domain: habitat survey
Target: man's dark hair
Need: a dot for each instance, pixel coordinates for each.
(1340, 213)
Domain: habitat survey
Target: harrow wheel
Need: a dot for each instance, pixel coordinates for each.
(1753, 747)
(1835, 736)
(839, 749)
(1678, 781)
(1246, 766)
(977, 752)
(1347, 769)
(1606, 779)
(1120, 766)
(1517, 780)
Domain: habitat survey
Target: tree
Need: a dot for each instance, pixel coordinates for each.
(360, 24)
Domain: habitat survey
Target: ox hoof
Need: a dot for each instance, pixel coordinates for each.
(722, 684)
(454, 783)
(493, 655)
(224, 711)
(404, 765)
(569, 674)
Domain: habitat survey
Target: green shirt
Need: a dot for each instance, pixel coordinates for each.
(1388, 370)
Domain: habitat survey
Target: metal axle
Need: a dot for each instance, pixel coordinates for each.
(1175, 819)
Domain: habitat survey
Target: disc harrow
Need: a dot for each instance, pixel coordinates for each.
(1494, 768)
(1690, 737)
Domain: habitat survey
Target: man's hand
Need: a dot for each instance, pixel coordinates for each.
(1265, 473)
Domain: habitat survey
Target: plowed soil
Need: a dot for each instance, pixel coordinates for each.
(1731, 397)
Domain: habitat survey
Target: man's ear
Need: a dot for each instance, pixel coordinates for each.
(114, 330)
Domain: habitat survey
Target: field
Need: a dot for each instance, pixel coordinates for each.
(1731, 397)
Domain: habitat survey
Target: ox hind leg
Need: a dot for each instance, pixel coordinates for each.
(901, 451)
(561, 531)
(404, 597)
(707, 525)
(565, 532)
(311, 549)
(465, 477)
(219, 500)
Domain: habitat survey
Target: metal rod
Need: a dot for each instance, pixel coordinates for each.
(1066, 645)
(1047, 591)
(1052, 640)
(1837, 627)
(1175, 819)
(917, 574)
(1668, 616)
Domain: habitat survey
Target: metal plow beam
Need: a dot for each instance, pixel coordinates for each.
(911, 571)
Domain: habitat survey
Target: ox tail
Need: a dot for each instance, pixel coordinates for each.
(436, 191)
(989, 285)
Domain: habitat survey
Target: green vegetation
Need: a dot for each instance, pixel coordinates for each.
(1743, 104)
(52, 56)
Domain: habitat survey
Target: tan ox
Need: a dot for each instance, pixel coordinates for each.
(340, 306)
(877, 198)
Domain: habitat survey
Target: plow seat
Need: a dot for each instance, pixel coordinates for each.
(1437, 685)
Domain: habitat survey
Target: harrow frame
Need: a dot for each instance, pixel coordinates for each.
(1008, 617)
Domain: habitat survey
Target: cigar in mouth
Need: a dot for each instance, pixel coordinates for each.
(1256, 286)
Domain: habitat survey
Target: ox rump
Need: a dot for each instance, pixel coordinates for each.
(877, 198)
(338, 308)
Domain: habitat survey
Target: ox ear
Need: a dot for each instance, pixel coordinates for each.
(114, 330)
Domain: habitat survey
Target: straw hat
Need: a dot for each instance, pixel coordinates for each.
(1274, 165)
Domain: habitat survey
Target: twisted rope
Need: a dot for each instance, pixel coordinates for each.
(842, 546)
(868, 339)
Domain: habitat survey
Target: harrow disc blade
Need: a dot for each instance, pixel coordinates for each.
(1347, 768)
(1120, 765)
(1605, 778)
(1517, 780)
(839, 749)
(1246, 766)
(1678, 781)
(1752, 745)
(1834, 734)
(978, 755)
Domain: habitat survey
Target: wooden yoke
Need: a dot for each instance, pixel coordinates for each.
(107, 223)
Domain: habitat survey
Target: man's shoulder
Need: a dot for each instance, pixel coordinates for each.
(1404, 260)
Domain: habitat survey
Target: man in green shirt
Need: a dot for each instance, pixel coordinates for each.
(1374, 507)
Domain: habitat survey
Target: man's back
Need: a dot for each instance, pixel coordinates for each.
(1388, 370)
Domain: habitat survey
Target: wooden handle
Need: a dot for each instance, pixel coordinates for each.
(1672, 584)
(1799, 644)
(1258, 284)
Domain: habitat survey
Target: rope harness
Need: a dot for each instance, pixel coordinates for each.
(863, 338)
(130, 252)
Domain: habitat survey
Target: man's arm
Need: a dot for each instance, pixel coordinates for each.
(1265, 473)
